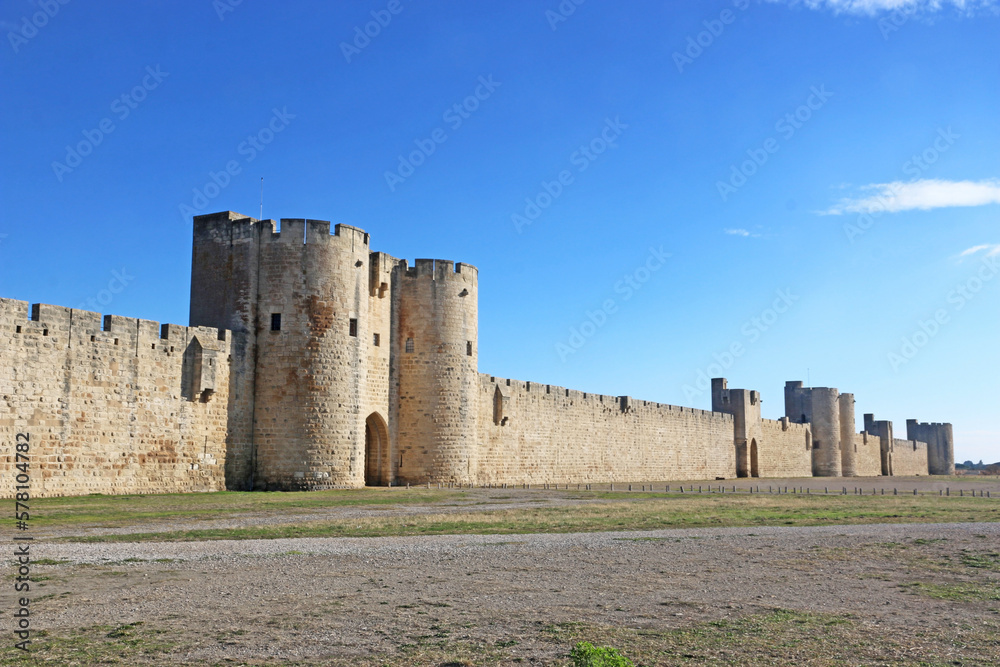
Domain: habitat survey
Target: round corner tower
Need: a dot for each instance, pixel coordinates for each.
(312, 338)
(848, 451)
(825, 418)
(435, 351)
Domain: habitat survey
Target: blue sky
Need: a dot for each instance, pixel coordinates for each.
(643, 187)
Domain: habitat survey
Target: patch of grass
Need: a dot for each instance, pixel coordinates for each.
(637, 512)
(957, 592)
(112, 511)
(49, 561)
(779, 637)
(789, 638)
(95, 645)
(585, 654)
(922, 541)
(989, 561)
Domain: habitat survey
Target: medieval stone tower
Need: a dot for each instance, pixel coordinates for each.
(940, 445)
(350, 368)
(434, 370)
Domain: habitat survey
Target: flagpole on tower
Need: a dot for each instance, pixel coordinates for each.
(261, 198)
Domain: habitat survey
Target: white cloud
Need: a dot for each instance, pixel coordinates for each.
(991, 250)
(745, 233)
(922, 195)
(876, 7)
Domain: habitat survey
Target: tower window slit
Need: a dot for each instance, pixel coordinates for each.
(275, 321)
(354, 327)
(409, 345)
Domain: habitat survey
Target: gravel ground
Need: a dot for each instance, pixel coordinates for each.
(313, 598)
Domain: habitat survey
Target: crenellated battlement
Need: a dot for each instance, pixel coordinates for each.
(312, 232)
(441, 269)
(232, 227)
(562, 395)
(68, 327)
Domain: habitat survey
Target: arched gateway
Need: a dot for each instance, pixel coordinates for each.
(376, 450)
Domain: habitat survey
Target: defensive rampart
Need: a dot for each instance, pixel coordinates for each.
(117, 405)
(546, 434)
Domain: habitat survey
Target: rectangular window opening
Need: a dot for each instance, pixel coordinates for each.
(376, 340)
(275, 321)
(19, 330)
(354, 327)
(468, 348)
(45, 332)
(409, 345)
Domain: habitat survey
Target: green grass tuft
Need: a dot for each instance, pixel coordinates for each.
(585, 654)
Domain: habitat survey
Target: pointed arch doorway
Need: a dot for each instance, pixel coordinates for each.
(376, 450)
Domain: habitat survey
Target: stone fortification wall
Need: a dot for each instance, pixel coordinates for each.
(868, 454)
(540, 433)
(909, 457)
(112, 406)
(785, 449)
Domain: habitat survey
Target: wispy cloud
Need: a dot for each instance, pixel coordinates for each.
(746, 233)
(988, 250)
(876, 7)
(922, 195)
